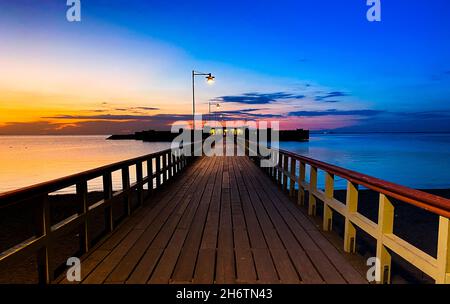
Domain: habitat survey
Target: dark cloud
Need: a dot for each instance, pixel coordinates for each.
(259, 98)
(335, 94)
(371, 121)
(91, 125)
(79, 128)
(425, 114)
(441, 76)
(104, 117)
(146, 108)
(402, 122)
(101, 117)
(336, 112)
(243, 114)
(331, 95)
(137, 108)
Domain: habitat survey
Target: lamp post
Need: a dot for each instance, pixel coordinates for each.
(209, 79)
(209, 109)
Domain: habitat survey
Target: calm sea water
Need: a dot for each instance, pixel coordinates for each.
(27, 160)
(419, 161)
(415, 160)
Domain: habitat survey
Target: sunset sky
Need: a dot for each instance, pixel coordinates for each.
(309, 64)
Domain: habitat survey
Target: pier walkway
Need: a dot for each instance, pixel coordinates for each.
(175, 218)
(220, 221)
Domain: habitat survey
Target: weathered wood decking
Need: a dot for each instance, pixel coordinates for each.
(221, 221)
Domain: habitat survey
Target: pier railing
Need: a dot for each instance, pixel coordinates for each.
(290, 173)
(161, 167)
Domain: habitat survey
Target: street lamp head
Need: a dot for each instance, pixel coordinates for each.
(218, 105)
(210, 79)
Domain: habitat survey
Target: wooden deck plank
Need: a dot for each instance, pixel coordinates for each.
(220, 221)
(318, 255)
(102, 271)
(245, 264)
(225, 269)
(205, 268)
(108, 244)
(254, 230)
(184, 270)
(143, 231)
(265, 268)
(145, 266)
(302, 262)
(164, 270)
(281, 260)
(142, 271)
(318, 259)
(91, 259)
(206, 263)
(127, 264)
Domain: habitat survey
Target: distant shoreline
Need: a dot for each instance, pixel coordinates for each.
(362, 133)
(325, 132)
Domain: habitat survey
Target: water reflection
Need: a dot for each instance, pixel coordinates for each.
(27, 160)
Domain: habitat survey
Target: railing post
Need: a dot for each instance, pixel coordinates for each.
(312, 188)
(301, 180)
(181, 159)
(175, 162)
(285, 171)
(352, 207)
(292, 178)
(170, 164)
(279, 166)
(85, 240)
(443, 252)
(158, 171)
(107, 193)
(258, 157)
(140, 185)
(126, 189)
(44, 255)
(329, 194)
(150, 175)
(270, 169)
(275, 167)
(385, 226)
(164, 167)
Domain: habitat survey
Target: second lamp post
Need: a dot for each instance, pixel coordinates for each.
(209, 79)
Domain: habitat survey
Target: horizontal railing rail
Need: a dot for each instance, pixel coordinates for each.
(285, 173)
(433, 203)
(161, 167)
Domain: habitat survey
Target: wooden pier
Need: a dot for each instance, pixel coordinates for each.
(221, 222)
(221, 219)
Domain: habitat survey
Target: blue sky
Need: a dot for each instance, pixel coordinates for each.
(313, 64)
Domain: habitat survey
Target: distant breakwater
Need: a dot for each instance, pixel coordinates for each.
(167, 136)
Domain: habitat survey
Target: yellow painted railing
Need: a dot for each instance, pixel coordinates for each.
(161, 167)
(285, 169)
